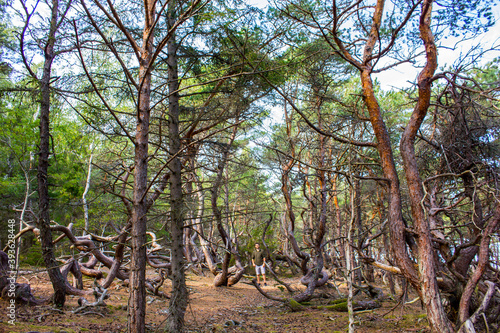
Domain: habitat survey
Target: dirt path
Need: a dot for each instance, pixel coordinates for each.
(240, 308)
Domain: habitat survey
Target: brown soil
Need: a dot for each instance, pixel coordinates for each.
(240, 308)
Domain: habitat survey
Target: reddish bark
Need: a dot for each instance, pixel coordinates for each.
(395, 217)
(481, 266)
(424, 280)
(428, 287)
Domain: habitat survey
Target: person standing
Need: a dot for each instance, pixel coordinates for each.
(259, 262)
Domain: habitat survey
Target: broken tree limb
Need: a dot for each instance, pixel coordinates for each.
(155, 246)
(341, 305)
(85, 304)
(19, 234)
(387, 268)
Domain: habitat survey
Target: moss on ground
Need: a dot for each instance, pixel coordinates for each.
(294, 305)
(339, 307)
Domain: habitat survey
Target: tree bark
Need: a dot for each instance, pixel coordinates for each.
(57, 279)
(178, 301)
(221, 278)
(428, 287)
(137, 294)
(426, 283)
(205, 245)
(84, 195)
(395, 217)
(481, 266)
(286, 190)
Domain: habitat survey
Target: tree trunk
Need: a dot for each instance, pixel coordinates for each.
(221, 278)
(205, 245)
(58, 281)
(84, 195)
(178, 300)
(428, 287)
(395, 217)
(424, 280)
(338, 234)
(286, 190)
(137, 294)
(358, 277)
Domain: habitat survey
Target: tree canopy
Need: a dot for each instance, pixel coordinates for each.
(140, 133)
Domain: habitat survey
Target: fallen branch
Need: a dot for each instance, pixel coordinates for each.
(275, 277)
(85, 304)
(41, 317)
(154, 286)
(92, 312)
(413, 301)
(273, 298)
(374, 263)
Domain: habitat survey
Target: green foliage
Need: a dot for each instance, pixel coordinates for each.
(18, 147)
(231, 57)
(7, 40)
(465, 17)
(32, 256)
(17, 153)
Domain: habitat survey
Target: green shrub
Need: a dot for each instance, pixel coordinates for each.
(32, 256)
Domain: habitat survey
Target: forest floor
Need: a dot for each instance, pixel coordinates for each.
(240, 308)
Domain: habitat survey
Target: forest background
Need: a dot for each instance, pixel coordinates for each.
(176, 134)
